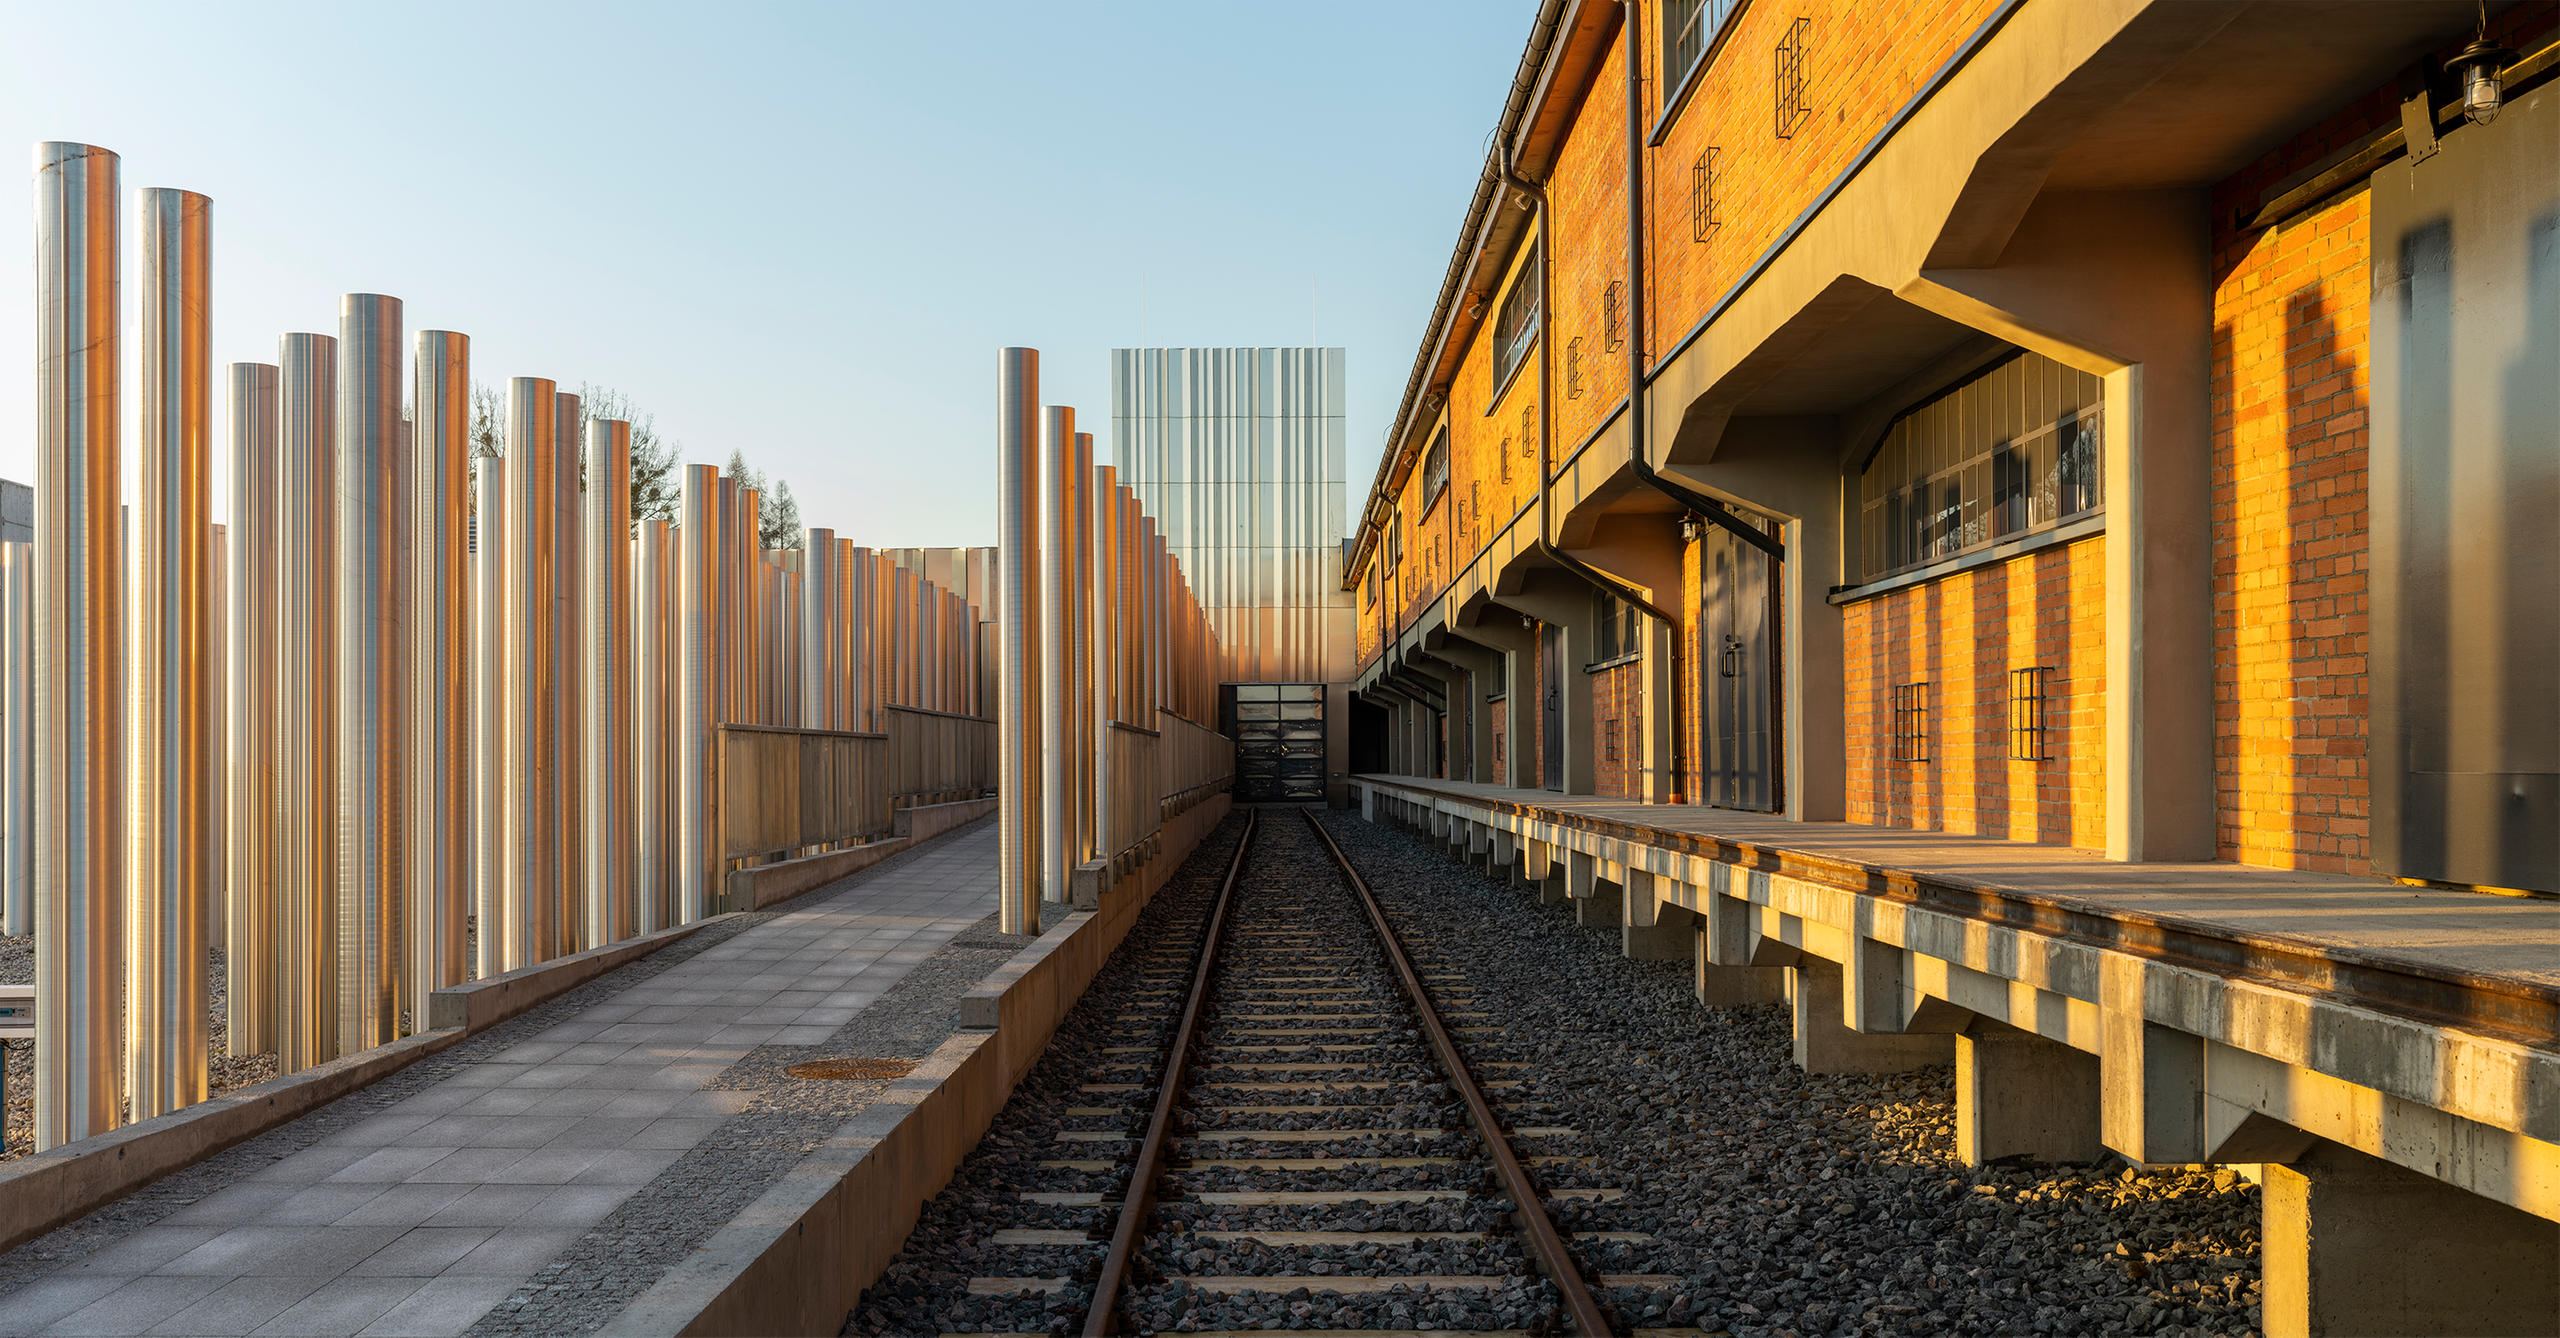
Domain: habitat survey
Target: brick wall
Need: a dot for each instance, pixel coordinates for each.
(1862, 63)
(1962, 634)
(1499, 727)
(1617, 714)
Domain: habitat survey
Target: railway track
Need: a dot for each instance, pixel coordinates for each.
(1293, 1116)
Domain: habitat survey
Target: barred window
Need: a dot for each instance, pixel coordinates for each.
(2028, 690)
(1517, 326)
(1503, 457)
(1573, 368)
(1435, 471)
(1702, 195)
(1789, 94)
(2012, 450)
(1611, 311)
(1910, 742)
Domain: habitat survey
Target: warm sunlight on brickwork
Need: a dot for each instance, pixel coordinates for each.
(1962, 635)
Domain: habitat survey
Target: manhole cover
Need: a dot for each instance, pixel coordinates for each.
(851, 1070)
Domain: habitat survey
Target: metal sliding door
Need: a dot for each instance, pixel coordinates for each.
(1551, 706)
(1279, 734)
(1740, 657)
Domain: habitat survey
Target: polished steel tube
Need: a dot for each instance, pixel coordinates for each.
(860, 672)
(1018, 577)
(570, 893)
(373, 674)
(1084, 838)
(214, 767)
(700, 659)
(493, 785)
(746, 607)
(305, 944)
(528, 924)
(439, 812)
(653, 774)
(1059, 502)
(168, 818)
(17, 739)
(902, 635)
(1104, 549)
(817, 625)
(80, 646)
(612, 789)
(845, 682)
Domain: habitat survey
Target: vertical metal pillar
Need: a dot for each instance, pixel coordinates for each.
(846, 681)
(1083, 840)
(651, 731)
(306, 742)
(1018, 762)
(570, 893)
(1057, 650)
(213, 768)
(373, 669)
(166, 831)
(817, 617)
(17, 738)
(528, 923)
(440, 814)
(607, 689)
(493, 785)
(701, 661)
(745, 587)
(1105, 592)
(80, 629)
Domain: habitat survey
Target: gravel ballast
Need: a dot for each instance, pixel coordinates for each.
(1750, 1198)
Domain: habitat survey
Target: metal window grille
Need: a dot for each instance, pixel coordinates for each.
(2028, 689)
(1702, 195)
(1528, 428)
(1911, 722)
(1609, 740)
(1791, 108)
(1504, 456)
(1475, 508)
(1610, 311)
(1573, 368)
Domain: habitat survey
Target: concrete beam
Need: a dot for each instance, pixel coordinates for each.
(1824, 1045)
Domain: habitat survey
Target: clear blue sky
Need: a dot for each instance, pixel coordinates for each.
(800, 231)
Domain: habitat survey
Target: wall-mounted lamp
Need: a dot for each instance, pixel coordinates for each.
(1688, 529)
(2479, 69)
(1528, 623)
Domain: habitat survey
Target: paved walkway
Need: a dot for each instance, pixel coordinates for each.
(419, 1218)
(2464, 933)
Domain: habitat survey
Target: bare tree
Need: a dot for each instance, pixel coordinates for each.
(778, 512)
(655, 487)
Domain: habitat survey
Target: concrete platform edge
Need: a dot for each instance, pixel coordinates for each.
(60, 1185)
(797, 1259)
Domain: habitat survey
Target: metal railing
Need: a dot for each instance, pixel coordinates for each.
(785, 790)
(1133, 810)
(936, 756)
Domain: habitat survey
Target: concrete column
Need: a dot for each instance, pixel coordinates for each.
(1475, 670)
(2019, 1094)
(1825, 1044)
(1731, 986)
(1650, 929)
(2356, 1245)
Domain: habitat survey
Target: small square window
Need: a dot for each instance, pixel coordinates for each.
(1911, 722)
(1789, 99)
(1702, 195)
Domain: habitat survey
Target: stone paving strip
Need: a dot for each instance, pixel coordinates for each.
(533, 1178)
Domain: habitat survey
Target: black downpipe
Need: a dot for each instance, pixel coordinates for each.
(1546, 547)
(1709, 508)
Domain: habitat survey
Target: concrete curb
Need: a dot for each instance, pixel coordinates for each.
(59, 1185)
(797, 1259)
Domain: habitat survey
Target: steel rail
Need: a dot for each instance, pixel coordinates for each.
(1103, 1315)
(1546, 1244)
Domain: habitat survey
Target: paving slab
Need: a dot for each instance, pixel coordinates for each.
(473, 1191)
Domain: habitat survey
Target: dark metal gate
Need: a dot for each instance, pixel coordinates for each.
(1551, 706)
(1279, 734)
(1740, 655)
